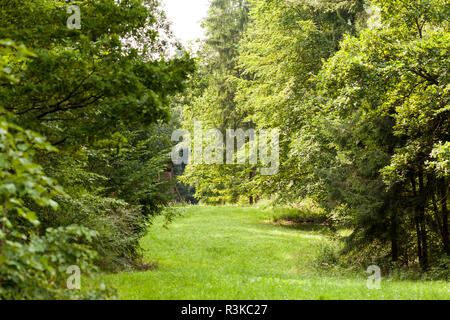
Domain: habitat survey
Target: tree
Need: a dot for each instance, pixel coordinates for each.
(385, 103)
(32, 264)
(89, 92)
(212, 101)
(282, 52)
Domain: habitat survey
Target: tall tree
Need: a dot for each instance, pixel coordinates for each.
(213, 99)
(96, 93)
(283, 51)
(385, 122)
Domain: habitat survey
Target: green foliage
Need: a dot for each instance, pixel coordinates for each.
(37, 269)
(386, 114)
(440, 271)
(256, 69)
(362, 106)
(211, 99)
(440, 156)
(299, 215)
(93, 93)
(33, 264)
(21, 177)
(329, 257)
(133, 160)
(118, 225)
(234, 253)
(360, 95)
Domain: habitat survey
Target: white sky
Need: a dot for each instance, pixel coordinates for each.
(186, 16)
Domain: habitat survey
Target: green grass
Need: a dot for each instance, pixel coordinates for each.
(235, 253)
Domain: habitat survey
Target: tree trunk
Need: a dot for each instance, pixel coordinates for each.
(436, 212)
(419, 241)
(416, 219)
(252, 174)
(422, 224)
(445, 235)
(394, 250)
(394, 236)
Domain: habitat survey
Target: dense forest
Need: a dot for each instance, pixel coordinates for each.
(360, 94)
(358, 90)
(84, 134)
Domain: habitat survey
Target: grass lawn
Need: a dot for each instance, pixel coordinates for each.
(235, 253)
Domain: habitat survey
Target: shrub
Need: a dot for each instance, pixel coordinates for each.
(36, 269)
(441, 271)
(33, 264)
(298, 215)
(329, 256)
(119, 227)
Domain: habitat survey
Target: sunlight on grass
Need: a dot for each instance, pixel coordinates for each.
(231, 253)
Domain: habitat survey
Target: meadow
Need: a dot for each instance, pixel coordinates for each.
(239, 253)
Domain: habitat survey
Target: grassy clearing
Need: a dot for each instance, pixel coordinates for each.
(235, 253)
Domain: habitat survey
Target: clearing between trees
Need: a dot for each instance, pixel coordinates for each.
(238, 253)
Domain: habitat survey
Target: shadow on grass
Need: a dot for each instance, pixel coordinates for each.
(305, 219)
(303, 226)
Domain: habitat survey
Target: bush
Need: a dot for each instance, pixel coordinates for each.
(441, 271)
(330, 256)
(119, 227)
(33, 264)
(37, 269)
(298, 215)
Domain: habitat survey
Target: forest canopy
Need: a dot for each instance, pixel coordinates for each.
(82, 138)
(357, 92)
(360, 94)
